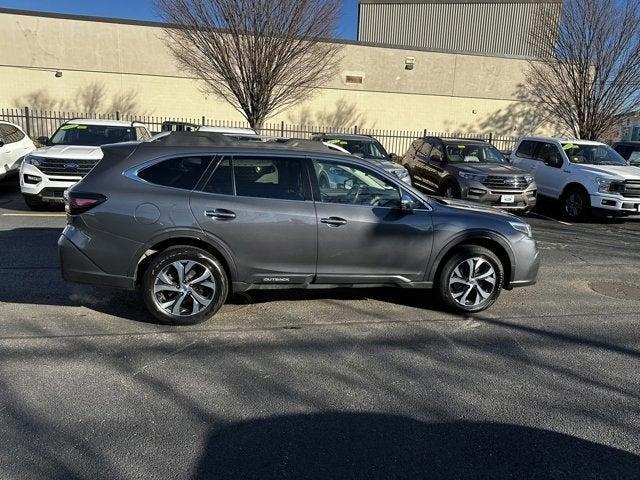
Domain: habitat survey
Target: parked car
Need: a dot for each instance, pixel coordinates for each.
(472, 170)
(584, 176)
(245, 134)
(190, 217)
(630, 151)
(367, 147)
(14, 145)
(71, 153)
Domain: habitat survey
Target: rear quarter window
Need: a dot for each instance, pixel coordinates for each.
(182, 172)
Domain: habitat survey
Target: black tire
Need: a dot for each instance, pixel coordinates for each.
(447, 294)
(163, 263)
(34, 202)
(575, 204)
(450, 189)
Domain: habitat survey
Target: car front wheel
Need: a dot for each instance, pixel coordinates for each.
(184, 285)
(575, 204)
(471, 280)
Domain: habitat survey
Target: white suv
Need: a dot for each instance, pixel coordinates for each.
(14, 145)
(581, 174)
(72, 151)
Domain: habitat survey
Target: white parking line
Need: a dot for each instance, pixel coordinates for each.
(550, 218)
(32, 214)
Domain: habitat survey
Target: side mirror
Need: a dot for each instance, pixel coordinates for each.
(43, 140)
(435, 158)
(406, 204)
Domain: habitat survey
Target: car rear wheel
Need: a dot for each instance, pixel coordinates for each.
(184, 285)
(450, 190)
(471, 280)
(575, 204)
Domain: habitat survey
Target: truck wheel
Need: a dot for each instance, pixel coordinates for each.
(575, 204)
(471, 280)
(184, 285)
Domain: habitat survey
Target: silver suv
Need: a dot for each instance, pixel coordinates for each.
(190, 217)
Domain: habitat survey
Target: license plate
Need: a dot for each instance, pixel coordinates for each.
(507, 199)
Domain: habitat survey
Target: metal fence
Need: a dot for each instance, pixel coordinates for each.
(39, 123)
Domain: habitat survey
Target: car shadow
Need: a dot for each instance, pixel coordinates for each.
(380, 446)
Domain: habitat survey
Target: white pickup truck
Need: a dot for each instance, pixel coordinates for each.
(584, 176)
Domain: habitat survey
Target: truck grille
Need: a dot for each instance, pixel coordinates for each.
(59, 167)
(631, 188)
(506, 183)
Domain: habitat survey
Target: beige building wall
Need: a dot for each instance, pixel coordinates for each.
(444, 92)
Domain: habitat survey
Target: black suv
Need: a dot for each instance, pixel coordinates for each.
(630, 151)
(471, 170)
(189, 217)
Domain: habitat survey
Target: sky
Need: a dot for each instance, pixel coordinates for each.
(143, 10)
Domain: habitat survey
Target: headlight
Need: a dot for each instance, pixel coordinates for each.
(528, 178)
(522, 228)
(31, 160)
(608, 185)
(473, 176)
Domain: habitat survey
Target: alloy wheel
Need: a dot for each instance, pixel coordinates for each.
(184, 288)
(472, 282)
(574, 205)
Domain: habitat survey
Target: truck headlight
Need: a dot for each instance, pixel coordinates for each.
(402, 174)
(473, 176)
(528, 178)
(609, 185)
(522, 228)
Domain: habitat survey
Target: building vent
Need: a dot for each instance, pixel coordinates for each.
(355, 79)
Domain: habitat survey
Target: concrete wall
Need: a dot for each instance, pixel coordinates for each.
(444, 92)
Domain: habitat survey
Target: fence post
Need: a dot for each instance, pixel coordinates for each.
(490, 137)
(27, 121)
(282, 129)
(424, 133)
(355, 129)
(202, 119)
(117, 115)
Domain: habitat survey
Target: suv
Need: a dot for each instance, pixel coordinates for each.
(14, 145)
(581, 174)
(630, 151)
(367, 147)
(469, 169)
(192, 216)
(72, 151)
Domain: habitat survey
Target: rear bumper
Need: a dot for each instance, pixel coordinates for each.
(78, 268)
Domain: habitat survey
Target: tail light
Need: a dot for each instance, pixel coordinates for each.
(79, 202)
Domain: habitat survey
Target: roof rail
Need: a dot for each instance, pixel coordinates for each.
(195, 139)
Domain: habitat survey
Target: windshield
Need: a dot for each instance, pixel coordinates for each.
(634, 157)
(362, 148)
(91, 135)
(473, 153)
(592, 154)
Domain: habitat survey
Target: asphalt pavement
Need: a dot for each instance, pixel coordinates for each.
(354, 384)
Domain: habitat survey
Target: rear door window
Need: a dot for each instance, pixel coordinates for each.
(180, 172)
(10, 134)
(221, 181)
(423, 151)
(550, 155)
(526, 149)
(271, 177)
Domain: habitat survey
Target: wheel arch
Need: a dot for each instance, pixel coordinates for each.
(489, 240)
(571, 185)
(187, 238)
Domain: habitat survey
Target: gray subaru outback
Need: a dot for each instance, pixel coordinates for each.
(191, 217)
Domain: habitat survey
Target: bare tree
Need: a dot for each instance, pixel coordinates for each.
(90, 97)
(589, 67)
(261, 56)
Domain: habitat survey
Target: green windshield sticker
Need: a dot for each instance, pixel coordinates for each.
(73, 126)
(462, 147)
(569, 146)
(337, 141)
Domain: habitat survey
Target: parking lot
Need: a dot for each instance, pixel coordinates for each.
(324, 384)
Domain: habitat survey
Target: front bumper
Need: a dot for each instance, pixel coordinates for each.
(527, 263)
(616, 204)
(77, 267)
(34, 182)
(523, 200)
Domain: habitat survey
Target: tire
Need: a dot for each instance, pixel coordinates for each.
(450, 189)
(163, 272)
(462, 297)
(575, 204)
(34, 202)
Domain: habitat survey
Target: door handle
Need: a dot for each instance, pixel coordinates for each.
(333, 221)
(220, 214)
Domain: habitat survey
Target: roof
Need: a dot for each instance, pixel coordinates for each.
(345, 136)
(563, 140)
(103, 122)
(457, 140)
(228, 130)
